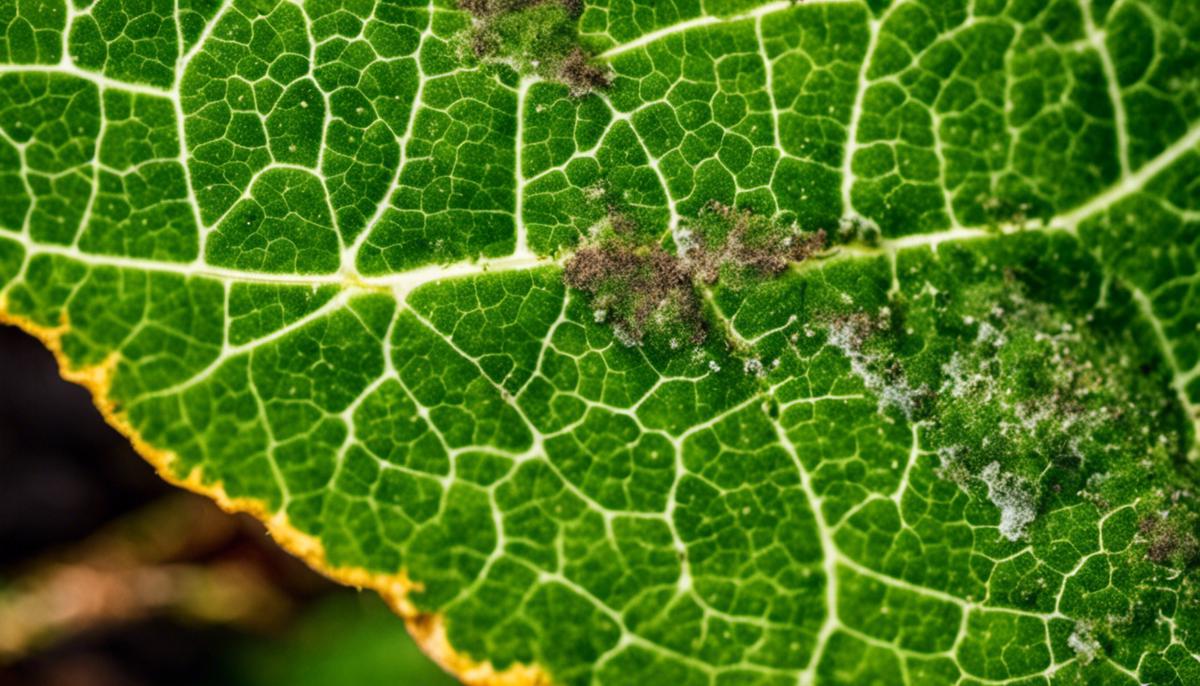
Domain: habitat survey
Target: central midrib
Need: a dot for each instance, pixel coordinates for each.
(407, 281)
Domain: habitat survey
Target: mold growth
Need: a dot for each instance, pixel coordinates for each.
(1013, 496)
(738, 246)
(1169, 540)
(880, 374)
(535, 37)
(1085, 646)
(1042, 403)
(855, 228)
(638, 290)
(580, 73)
(642, 290)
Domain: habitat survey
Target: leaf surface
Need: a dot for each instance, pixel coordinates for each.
(308, 257)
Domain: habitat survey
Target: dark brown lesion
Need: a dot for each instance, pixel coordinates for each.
(637, 288)
(581, 74)
(1169, 541)
(538, 37)
(644, 291)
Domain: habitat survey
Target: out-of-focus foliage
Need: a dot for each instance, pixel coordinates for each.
(343, 639)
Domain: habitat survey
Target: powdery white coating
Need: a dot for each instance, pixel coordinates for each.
(893, 390)
(854, 226)
(1083, 644)
(593, 193)
(958, 377)
(1014, 497)
(685, 241)
(950, 465)
(624, 337)
(989, 334)
(753, 366)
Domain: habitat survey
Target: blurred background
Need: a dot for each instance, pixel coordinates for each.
(111, 577)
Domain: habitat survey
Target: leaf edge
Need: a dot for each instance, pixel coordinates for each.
(427, 629)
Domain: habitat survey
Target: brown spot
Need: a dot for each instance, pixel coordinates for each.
(747, 242)
(1168, 543)
(581, 75)
(560, 56)
(483, 44)
(639, 290)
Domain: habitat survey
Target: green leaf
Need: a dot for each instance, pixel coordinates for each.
(309, 256)
(341, 639)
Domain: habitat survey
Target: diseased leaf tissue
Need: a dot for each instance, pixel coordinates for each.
(711, 342)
